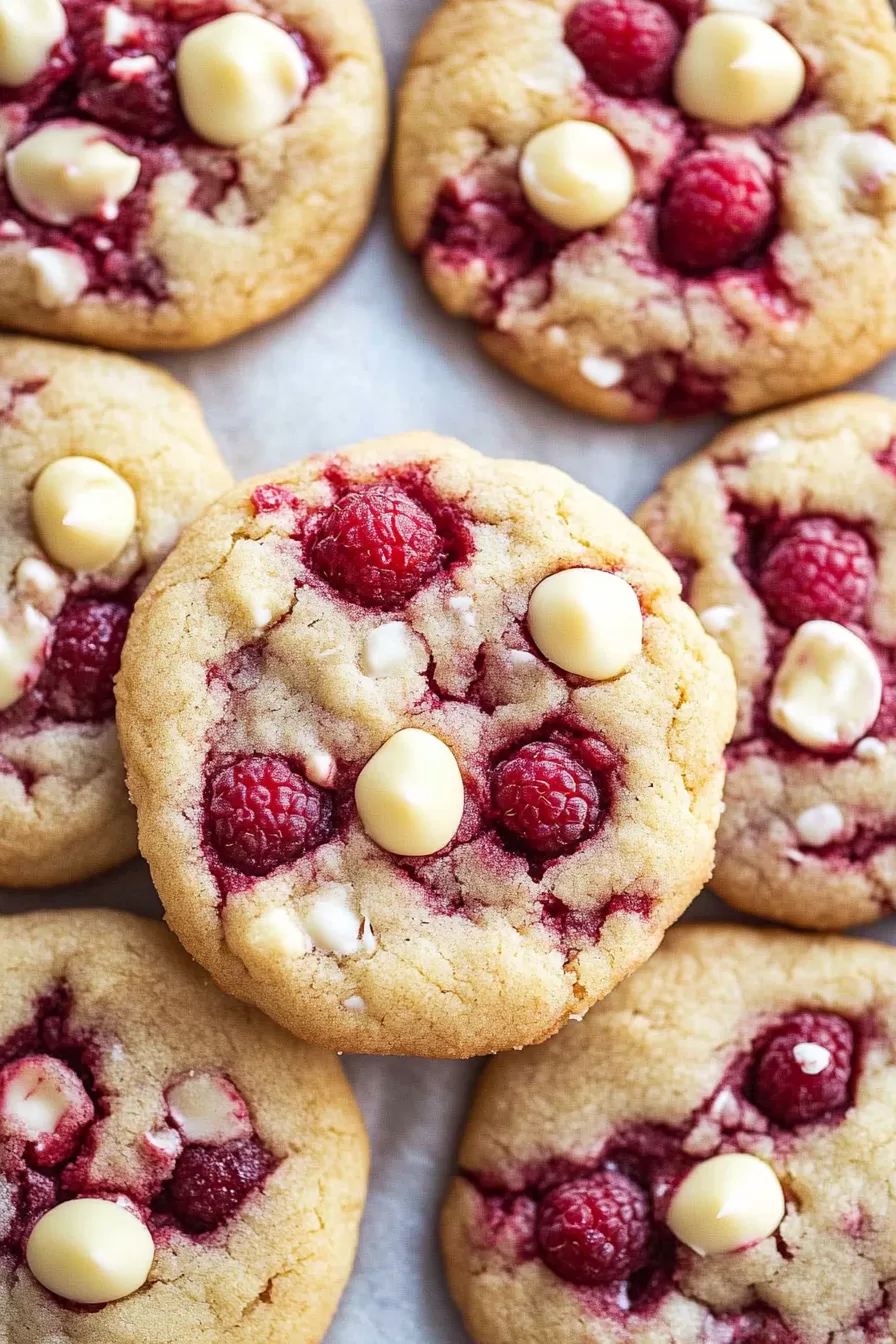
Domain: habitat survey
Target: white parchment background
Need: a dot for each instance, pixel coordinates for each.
(374, 355)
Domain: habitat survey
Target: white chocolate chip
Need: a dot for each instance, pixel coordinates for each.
(66, 172)
(90, 1251)
(23, 638)
(36, 1098)
(716, 620)
(460, 602)
(279, 932)
(127, 69)
(38, 585)
(118, 26)
(827, 691)
(410, 794)
(521, 658)
(355, 1004)
(727, 1204)
(577, 175)
(871, 749)
(735, 70)
(387, 650)
(334, 927)
(320, 768)
(208, 1109)
(29, 30)
(239, 77)
(60, 278)
(601, 371)
(867, 161)
(259, 613)
(84, 513)
(166, 1141)
(766, 441)
(588, 622)
(812, 1059)
(759, 9)
(10, 230)
(818, 825)
(557, 336)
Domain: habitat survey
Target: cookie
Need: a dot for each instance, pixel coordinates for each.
(173, 1166)
(707, 1157)
(178, 171)
(102, 462)
(784, 531)
(658, 207)
(437, 754)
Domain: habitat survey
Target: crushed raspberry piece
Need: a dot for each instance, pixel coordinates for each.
(718, 211)
(143, 103)
(261, 814)
(626, 46)
(210, 1184)
(84, 659)
(595, 1230)
(819, 570)
(794, 1086)
(377, 546)
(546, 798)
(273, 498)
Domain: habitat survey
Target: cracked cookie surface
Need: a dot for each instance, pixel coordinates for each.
(664, 309)
(557, 823)
(126, 1076)
(786, 520)
(210, 214)
(64, 811)
(729, 1042)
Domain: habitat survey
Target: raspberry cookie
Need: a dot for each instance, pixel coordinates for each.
(658, 207)
(173, 1166)
(784, 531)
(102, 462)
(177, 171)
(707, 1159)
(437, 755)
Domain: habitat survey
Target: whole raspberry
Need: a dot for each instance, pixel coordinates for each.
(804, 1069)
(818, 571)
(377, 545)
(626, 46)
(717, 211)
(84, 658)
(261, 814)
(209, 1184)
(546, 798)
(595, 1230)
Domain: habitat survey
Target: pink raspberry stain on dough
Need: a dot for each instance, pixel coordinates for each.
(599, 1224)
(52, 1103)
(129, 89)
(705, 213)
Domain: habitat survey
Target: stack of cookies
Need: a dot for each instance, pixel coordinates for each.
(427, 750)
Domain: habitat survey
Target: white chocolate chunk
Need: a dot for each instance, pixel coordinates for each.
(410, 795)
(521, 658)
(320, 768)
(334, 927)
(827, 691)
(118, 26)
(10, 230)
(727, 1204)
(66, 172)
(279, 932)
(239, 77)
(38, 585)
(819, 825)
(867, 161)
(812, 1059)
(129, 68)
(735, 70)
(23, 638)
(90, 1251)
(871, 749)
(355, 1004)
(84, 513)
(716, 620)
(766, 441)
(601, 371)
(60, 278)
(387, 650)
(166, 1140)
(577, 175)
(29, 30)
(587, 622)
(35, 1099)
(208, 1109)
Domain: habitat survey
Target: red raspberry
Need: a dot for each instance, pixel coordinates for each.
(377, 545)
(209, 1184)
(719, 209)
(785, 1087)
(595, 1230)
(546, 798)
(626, 46)
(84, 659)
(818, 571)
(262, 814)
(146, 104)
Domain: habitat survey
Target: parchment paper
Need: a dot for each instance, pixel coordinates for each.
(374, 355)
